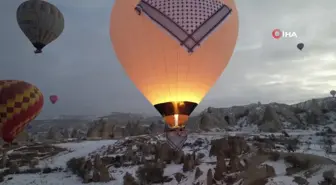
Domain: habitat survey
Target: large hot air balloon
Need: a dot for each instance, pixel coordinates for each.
(20, 102)
(53, 99)
(332, 92)
(40, 21)
(174, 51)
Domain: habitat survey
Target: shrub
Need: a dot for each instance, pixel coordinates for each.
(72, 165)
(274, 156)
(149, 174)
(297, 163)
(75, 166)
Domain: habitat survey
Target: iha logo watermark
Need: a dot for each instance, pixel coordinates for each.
(277, 34)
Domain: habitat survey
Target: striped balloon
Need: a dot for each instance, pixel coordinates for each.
(40, 21)
(20, 103)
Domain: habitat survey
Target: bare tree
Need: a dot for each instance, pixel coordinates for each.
(327, 143)
(308, 143)
(4, 158)
(292, 145)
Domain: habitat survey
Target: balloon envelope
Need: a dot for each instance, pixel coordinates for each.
(300, 46)
(40, 21)
(174, 59)
(53, 99)
(20, 102)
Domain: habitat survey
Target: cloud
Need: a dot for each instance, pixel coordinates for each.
(82, 69)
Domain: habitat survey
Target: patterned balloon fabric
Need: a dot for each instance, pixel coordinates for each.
(40, 21)
(189, 21)
(20, 102)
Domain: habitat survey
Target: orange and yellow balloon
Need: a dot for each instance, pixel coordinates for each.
(20, 103)
(174, 51)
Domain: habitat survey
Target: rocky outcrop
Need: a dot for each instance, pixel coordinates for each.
(270, 121)
(90, 170)
(228, 147)
(271, 117)
(221, 118)
(129, 179)
(109, 130)
(54, 134)
(208, 121)
(209, 178)
(258, 174)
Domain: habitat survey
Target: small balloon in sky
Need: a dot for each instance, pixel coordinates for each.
(53, 99)
(300, 46)
(28, 127)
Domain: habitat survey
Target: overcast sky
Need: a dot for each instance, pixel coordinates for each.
(81, 68)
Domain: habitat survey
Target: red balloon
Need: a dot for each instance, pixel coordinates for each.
(20, 103)
(53, 99)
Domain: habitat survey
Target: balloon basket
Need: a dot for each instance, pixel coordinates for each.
(38, 51)
(176, 137)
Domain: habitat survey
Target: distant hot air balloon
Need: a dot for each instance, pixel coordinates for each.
(300, 46)
(174, 51)
(29, 127)
(53, 99)
(40, 21)
(333, 93)
(20, 102)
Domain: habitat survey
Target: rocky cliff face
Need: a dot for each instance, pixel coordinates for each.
(110, 129)
(268, 117)
(271, 117)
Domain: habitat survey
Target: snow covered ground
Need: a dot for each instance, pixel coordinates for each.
(81, 149)
(84, 148)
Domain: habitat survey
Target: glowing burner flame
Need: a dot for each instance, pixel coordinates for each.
(176, 117)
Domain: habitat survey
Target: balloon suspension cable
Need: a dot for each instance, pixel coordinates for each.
(138, 9)
(37, 51)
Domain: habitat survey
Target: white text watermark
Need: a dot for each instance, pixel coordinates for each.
(277, 34)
